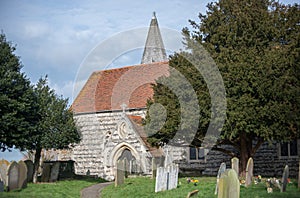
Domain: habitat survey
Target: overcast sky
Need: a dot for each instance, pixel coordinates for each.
(55, 37)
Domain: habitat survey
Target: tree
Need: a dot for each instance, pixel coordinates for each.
(256, 48)
(17, 101)
(55, 127)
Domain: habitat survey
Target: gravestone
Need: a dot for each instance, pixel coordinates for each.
(22, 174)
(285, 177)
(120, 173)
(13, 176)
(1, 185)
(249, 172)
(299, 175)
(161, 179)
(46, 172)
(220, 171)
(30, 170)
(3, 170)
(166, 178)
(126, 167)
(154, 167)
(173, 176)
(54, 172)
(229, 185)
(235, 164)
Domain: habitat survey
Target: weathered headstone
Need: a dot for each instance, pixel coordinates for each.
(1, 186)
(13, 176)
(285, 177)
(161, 179)
(249, 172)
(154, 167)
(126, 167)
(22, 175)
(120, 173)
(30, 170)
(299, 176)
(54, 172)
(166, 178)
(229, 185)
(173, 176)
(220, 171)
(235, 164)
(3, 170)
(46, 172)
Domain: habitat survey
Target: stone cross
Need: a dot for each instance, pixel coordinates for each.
(220, 171)
(235, 164)
(285, 177)
(229, 185)
(249, 172)
(123, 106)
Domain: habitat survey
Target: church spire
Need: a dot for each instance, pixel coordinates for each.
(154, 50)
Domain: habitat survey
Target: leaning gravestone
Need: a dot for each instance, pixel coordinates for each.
(235, 164)
(13, 176)
(46, 172)
(249, 172)
(220, 171)
(3, 170)
(120, 173)
(285, 177)
(22, 174)
(229, 185)
(30, 170)
(54, 172)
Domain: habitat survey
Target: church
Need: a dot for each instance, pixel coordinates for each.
(109, 110)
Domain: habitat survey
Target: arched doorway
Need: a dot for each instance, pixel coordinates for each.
(129, 161)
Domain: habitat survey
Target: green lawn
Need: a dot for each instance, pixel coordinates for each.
(144, 187)
(66, 189)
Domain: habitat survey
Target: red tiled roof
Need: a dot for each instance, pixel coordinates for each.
(109, 89)
(136, 122)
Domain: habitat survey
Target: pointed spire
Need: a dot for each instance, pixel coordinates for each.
(154, 50)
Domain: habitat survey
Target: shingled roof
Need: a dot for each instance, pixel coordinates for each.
(107, 90)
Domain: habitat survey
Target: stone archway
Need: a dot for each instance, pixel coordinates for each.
(126, 151)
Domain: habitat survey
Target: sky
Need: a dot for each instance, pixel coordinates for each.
(58, 37)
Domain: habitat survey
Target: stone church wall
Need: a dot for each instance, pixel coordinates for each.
(101, 139)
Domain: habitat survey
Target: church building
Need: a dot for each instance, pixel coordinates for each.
(109, 111)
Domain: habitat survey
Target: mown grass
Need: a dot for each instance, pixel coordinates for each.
(65, 188)
(144, 187)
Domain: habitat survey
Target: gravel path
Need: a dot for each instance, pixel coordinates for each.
(94, 190)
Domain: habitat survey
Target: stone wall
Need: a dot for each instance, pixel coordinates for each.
(103, 142)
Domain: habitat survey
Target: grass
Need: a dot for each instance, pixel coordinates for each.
(65, 188)
(144, 187)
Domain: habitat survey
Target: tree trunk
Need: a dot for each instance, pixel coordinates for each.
(37, 158)
(245, 153)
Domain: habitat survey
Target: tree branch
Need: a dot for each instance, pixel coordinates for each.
(230, 153)
(258, 144)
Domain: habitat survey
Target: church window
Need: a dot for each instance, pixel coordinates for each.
(288, 149)
(197, 153)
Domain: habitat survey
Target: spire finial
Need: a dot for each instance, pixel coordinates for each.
(154, 15)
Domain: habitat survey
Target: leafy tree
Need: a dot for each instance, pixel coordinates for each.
(55, 126)
(17, 101)
(255, 45)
